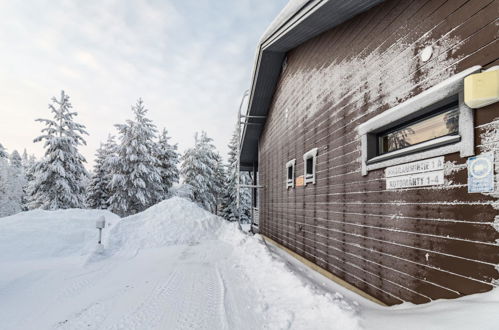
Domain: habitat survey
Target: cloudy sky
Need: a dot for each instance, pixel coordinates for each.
(190, 60)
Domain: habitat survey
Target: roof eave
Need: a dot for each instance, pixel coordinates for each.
(314, 18)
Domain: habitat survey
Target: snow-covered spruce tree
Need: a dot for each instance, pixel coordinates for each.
(168, 162)
(229, 200)
(3, 152)
(11, 183)
(98, 190)
(4, 184)
(59, 177)
(136, 181)
(17, 180)
(220, 181)
(199, 170)
(28, 163)
(16, 160)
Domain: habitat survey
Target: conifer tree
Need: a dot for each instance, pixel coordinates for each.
(229, 204)
(59, 177)
(136, 181)
(168, 162)
(220, 181)
(17, 181)
(11, 184)
(28, 163)
(98, 190)
(3, 152)
(199, 170)
(15, 160)
(4, 186)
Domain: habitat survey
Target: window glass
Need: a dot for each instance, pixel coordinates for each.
(290, 172)
(425, 129)
(310, 166)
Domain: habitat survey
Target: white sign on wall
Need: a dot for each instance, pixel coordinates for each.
(481, 173)
(416, 180)
(428, 172)
(426, 165)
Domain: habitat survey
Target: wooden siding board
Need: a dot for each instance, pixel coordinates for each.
(470, 231)
(439, 269)
(435, 242)
(313, 123)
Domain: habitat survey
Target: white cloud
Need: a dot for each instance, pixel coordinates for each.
(190, 61)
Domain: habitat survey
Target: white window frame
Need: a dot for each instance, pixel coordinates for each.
(292, 164)
(311, 177)
(421, 104)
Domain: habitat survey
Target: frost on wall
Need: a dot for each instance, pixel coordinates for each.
(490, 143)
(382, 77)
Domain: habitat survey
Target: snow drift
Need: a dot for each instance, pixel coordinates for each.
(40, 234)
(173, 221)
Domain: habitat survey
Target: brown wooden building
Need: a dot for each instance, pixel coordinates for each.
(359, 132)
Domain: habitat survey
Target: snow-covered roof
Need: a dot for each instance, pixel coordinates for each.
(291, 8)
(299, 21)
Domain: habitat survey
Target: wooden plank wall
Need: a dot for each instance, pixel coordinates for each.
(415, 244)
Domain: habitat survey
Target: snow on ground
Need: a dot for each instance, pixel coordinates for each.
(176, 266)
(40, 234)
(173, 266)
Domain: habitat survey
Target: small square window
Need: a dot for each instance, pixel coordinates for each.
(310, 163)
(290, 172)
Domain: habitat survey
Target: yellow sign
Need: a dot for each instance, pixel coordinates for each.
(299, 182)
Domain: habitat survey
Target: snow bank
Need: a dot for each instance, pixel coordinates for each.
(287, 300)
(174, 221)
(478, 311)
(43, 234)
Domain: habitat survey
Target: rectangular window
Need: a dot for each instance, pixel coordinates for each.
(434, 123)
(310, 166)
(443, 122)
(290, 171)
(310, 162)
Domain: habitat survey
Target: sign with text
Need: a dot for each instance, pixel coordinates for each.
(428, 172)
(481, 173)
(426, 165)
(416, 180)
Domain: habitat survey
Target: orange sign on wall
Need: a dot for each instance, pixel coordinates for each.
(299, 182)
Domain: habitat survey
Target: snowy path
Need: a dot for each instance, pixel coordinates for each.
(176, 287)
(198, 286)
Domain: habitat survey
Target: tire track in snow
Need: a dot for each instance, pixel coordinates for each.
(191, 298)
(153, 309)
(201, 304)
(87, 318)
(85, 281)
(192, 295)
(223, 300)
